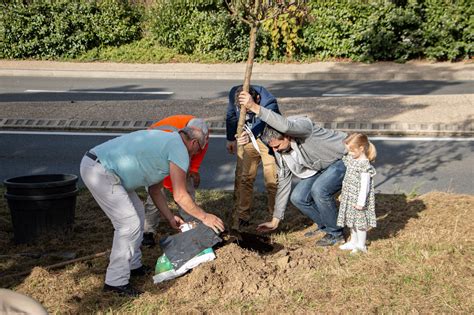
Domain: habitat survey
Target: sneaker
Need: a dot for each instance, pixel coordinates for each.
(347, 246)
(148, 240)
(313, 233)
(330, 240)
(126, 290)
(143, 270)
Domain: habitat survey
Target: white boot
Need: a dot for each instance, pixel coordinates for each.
(360, 244)
(352, 242)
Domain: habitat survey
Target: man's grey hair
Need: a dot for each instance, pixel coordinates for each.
(199, 123)
(270, 133)
(194, 133)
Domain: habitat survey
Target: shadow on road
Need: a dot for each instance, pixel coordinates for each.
(402, 162)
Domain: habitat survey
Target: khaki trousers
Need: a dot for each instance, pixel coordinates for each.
(250, 163)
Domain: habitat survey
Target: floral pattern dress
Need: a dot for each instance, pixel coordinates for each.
(348, 215)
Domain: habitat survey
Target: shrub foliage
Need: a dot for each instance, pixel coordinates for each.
(362, 30)
(62, 28)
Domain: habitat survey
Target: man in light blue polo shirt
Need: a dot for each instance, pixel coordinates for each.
(112, 171)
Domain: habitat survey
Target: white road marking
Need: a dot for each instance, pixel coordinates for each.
(359, 95)
(99, 92)
(420, 139)
(65, 133)
(61, 133)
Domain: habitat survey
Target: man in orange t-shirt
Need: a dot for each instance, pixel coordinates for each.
(173, 124)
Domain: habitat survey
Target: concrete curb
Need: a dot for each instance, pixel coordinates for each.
(371, 128)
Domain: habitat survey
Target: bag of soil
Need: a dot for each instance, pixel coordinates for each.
(164, 269)
(184, 251)
(181, 247)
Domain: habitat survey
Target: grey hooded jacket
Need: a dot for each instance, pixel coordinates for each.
(319, 148)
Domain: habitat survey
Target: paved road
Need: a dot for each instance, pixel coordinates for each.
(403, 165)
(26, 89)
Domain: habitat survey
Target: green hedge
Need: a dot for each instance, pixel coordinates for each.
(193, 28)
(390, 30)
(62, 28)
(448, 29)
(336, 29)
(362, 30)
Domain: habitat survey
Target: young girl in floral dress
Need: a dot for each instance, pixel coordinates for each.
(357, 208)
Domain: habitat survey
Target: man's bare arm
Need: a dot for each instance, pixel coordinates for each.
(184, 200)
(159, 199)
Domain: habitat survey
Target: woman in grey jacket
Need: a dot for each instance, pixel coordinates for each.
(313, 154)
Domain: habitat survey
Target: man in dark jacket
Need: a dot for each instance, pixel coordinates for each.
(311, 153)
(254, 152)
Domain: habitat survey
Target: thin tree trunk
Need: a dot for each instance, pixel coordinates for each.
(240, 125)
(248, 75)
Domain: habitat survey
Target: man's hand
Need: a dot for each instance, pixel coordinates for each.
(231, 145)
(246, 100)
(243, 139)
(196, 178)
(359, 207)
(183, 199)
(214, 223)
(268, 226)
(175, 222)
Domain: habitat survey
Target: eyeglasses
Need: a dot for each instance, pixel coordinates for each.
(201, 145)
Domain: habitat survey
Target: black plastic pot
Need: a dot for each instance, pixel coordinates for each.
(41, 204)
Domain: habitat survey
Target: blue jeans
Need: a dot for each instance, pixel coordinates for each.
(314, 197)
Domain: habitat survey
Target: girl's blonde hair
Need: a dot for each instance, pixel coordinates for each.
(361, 140)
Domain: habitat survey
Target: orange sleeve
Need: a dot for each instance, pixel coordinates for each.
(177, 121)
(168, 184)
(197, 160)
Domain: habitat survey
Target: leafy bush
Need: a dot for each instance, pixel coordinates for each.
(285, 33)
(362, 30)
(335, 29)
(117, 22)
(389, 30)
(52, 29)
(199, 28)
(448, 29)
(393, 33)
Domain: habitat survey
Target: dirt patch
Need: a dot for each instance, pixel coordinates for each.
(420, 260)
(260, 244)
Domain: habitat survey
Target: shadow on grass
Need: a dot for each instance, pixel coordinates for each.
(393, 213)
(222, 204)
(92, 234)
